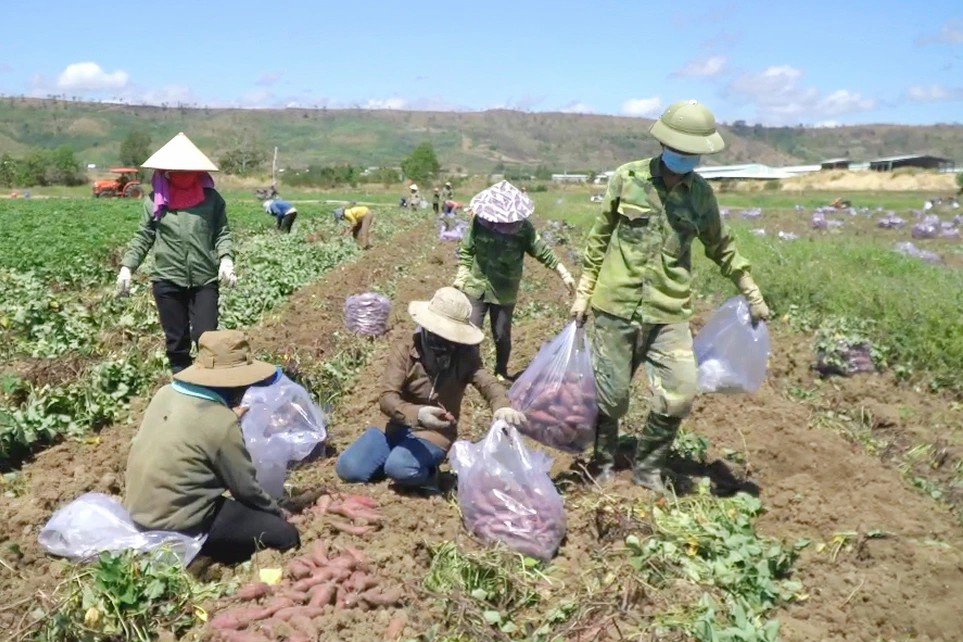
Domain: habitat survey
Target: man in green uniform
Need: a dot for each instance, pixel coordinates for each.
(637, 279)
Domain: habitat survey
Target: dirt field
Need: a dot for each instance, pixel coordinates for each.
(899, 577)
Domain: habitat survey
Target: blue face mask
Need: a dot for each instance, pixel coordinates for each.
(680, 163)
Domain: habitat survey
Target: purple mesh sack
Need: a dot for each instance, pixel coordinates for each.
(367, 314)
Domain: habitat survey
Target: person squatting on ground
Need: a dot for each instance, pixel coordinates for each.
(360, 219)
(491, 259)
(185, 220)
(637, 279)
(189, 450)
(423, 386)
(283, 211)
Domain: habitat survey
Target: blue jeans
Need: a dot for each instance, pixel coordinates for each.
(392, 453)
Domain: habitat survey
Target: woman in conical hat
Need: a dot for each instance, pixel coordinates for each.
(185, 220)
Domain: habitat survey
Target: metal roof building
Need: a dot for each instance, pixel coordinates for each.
(924, 161)
(835, 163)
(751, 171)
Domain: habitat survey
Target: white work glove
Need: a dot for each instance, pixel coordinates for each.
(433, 418)
(567, 277)
(583, 294)
(461, 277)
(511, 417)
(758, 310)
(226, 272)
(123, 281)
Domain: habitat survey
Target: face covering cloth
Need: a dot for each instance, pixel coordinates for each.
(680, 163)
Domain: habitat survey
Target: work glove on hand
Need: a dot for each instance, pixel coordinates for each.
(758, 310)
(583, 294)
(461, 277)
(226, 272)
(567, 277)
(433, 418)
(511, 417)
(123, 281)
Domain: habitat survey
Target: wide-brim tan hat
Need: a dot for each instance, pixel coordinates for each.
(180, 155)
(224, 360)
(448, 315)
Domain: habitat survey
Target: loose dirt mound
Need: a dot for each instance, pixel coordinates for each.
(898, 181)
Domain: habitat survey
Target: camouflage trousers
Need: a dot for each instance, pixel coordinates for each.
(620, 347)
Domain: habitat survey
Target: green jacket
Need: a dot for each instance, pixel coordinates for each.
(188, 452)
(189, 243)
(495, 261)
(638, 254)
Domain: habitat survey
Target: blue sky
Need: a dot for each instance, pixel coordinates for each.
(816, 62)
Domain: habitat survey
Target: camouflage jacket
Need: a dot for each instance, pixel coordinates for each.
(638, 256)
(495, 261)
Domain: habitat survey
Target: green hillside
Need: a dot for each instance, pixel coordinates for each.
(473, 141)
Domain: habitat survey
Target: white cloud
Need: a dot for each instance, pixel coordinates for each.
(576, 107)
(386, 103)
(951, 33)
(642, 107)
(89, 76)
(268, 79)
(780, 98)
(934, 93)
(703, 67)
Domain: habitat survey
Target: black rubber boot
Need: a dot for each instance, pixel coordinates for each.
(652, 451)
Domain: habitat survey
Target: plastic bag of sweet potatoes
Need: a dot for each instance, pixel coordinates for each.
(557, 393)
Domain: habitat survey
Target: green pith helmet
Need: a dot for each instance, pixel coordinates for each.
(688, 126)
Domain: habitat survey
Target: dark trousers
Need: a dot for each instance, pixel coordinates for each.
(185, 314)
(501, 320)
(286, 222)
(238, 531)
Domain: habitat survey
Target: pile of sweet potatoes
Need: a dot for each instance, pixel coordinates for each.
(314, 585)
(561, 409)
(360, 514)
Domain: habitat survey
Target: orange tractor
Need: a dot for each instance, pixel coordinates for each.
(126, 185)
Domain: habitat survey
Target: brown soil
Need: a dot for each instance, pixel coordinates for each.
(814, 482)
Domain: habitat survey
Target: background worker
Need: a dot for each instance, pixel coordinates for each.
(449, 192)
(436, 201)
(189, 451)
(422, 388)
(414, 197)
(185, 219)
(637, 279)
(360, 219)
(491, 259)
(283, 211)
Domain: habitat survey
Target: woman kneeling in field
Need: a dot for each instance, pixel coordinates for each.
(422, 389)
(190, 450)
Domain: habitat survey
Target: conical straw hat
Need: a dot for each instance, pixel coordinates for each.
(180, 154)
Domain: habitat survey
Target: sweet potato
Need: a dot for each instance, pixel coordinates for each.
(360, 582)
(298, 569)
(252, 591)
(356, 555)
(320, 576)
(303, 624)
(361, 500)
(319, 554)
(350, 529)
(322, 595)
(378, 597)
(396, 627)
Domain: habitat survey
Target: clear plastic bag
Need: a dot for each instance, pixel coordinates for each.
(557, 393)
(282, 425)
(819, 221)
(908, 249)
(506, 495)
(732, 355)
(95, 523)
(367, 314)
(454, 233)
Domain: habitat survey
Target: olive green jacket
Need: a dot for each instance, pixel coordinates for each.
(188, 452)
(495, 261)
(189, 244)
(638, 256)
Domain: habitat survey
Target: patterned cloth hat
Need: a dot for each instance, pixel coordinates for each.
(502, 203)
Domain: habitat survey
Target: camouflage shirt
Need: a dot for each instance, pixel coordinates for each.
(639, 251)
(495, 261)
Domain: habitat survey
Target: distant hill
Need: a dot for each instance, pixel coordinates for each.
(469, 141)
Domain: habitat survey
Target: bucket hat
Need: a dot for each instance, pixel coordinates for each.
(689, 127)
(502, 203)
(224, 360)
(448, 315)
(180, 154)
